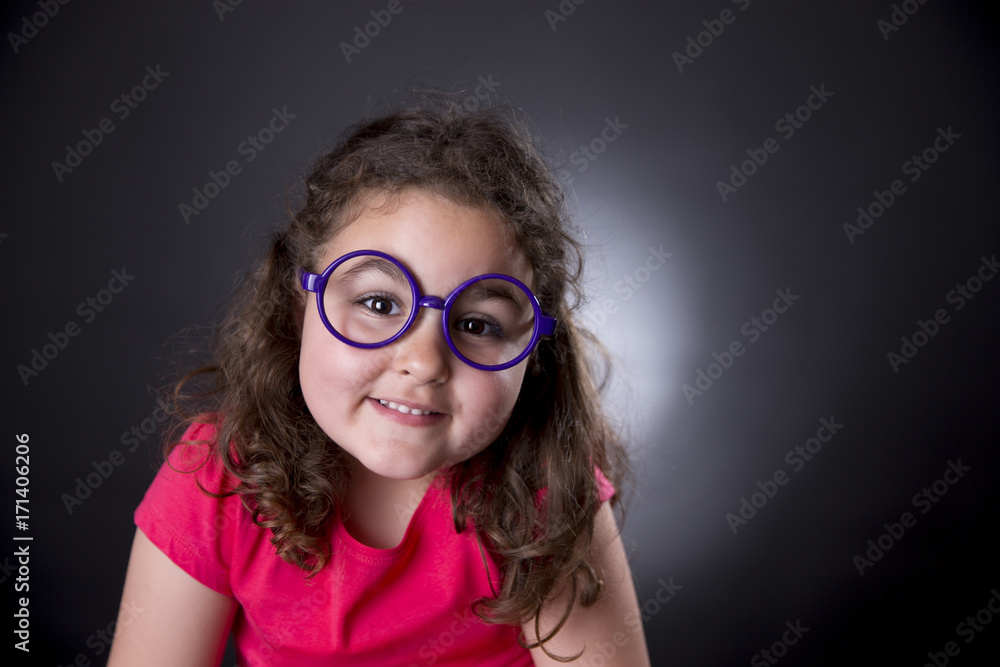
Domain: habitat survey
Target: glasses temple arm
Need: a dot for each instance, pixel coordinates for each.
(308, 280)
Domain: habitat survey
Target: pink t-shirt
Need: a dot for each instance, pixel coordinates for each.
(407, 606)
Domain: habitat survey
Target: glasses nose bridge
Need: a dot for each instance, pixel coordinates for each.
(431, 302)
(434, 302)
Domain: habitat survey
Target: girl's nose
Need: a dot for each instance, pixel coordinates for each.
(422, 352)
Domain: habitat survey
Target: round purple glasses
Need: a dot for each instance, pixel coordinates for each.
(368, 299)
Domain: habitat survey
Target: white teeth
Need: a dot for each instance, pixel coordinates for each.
(406, 410)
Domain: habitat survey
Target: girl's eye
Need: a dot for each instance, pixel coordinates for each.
(478, 327)
(381, 305)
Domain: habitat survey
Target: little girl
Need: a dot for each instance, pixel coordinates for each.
(403, 460)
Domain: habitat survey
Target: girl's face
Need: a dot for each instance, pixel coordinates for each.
(443, 244)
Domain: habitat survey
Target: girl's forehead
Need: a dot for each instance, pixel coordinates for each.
(438, 239)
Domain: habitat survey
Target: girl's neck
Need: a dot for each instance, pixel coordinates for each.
(377, 510)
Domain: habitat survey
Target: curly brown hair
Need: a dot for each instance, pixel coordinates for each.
(291, 476)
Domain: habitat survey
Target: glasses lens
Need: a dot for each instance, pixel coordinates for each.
(367, 299)
(491, 321)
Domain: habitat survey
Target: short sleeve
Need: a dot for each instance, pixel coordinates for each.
(605, 490)
(195, 530)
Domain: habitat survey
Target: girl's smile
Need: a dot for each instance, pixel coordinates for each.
(408, 413)
(411, 407)
(399, 406)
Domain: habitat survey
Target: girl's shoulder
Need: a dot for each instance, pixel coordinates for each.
(198, 455)
(189, 511)
(605, 489)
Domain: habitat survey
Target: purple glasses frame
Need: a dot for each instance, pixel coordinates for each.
(316, 282)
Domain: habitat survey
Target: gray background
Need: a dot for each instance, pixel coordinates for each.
(655, 185)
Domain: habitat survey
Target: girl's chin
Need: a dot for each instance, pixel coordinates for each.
(397, 469)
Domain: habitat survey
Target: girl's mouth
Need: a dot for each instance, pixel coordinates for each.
(405, 409)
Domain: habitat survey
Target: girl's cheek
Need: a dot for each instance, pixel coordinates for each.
(492, 401)
(328, 362)
(506, 386)
(363, 366)
(343, 368)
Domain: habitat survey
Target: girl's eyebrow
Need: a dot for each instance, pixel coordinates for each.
(376, 265)
(499, 291)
